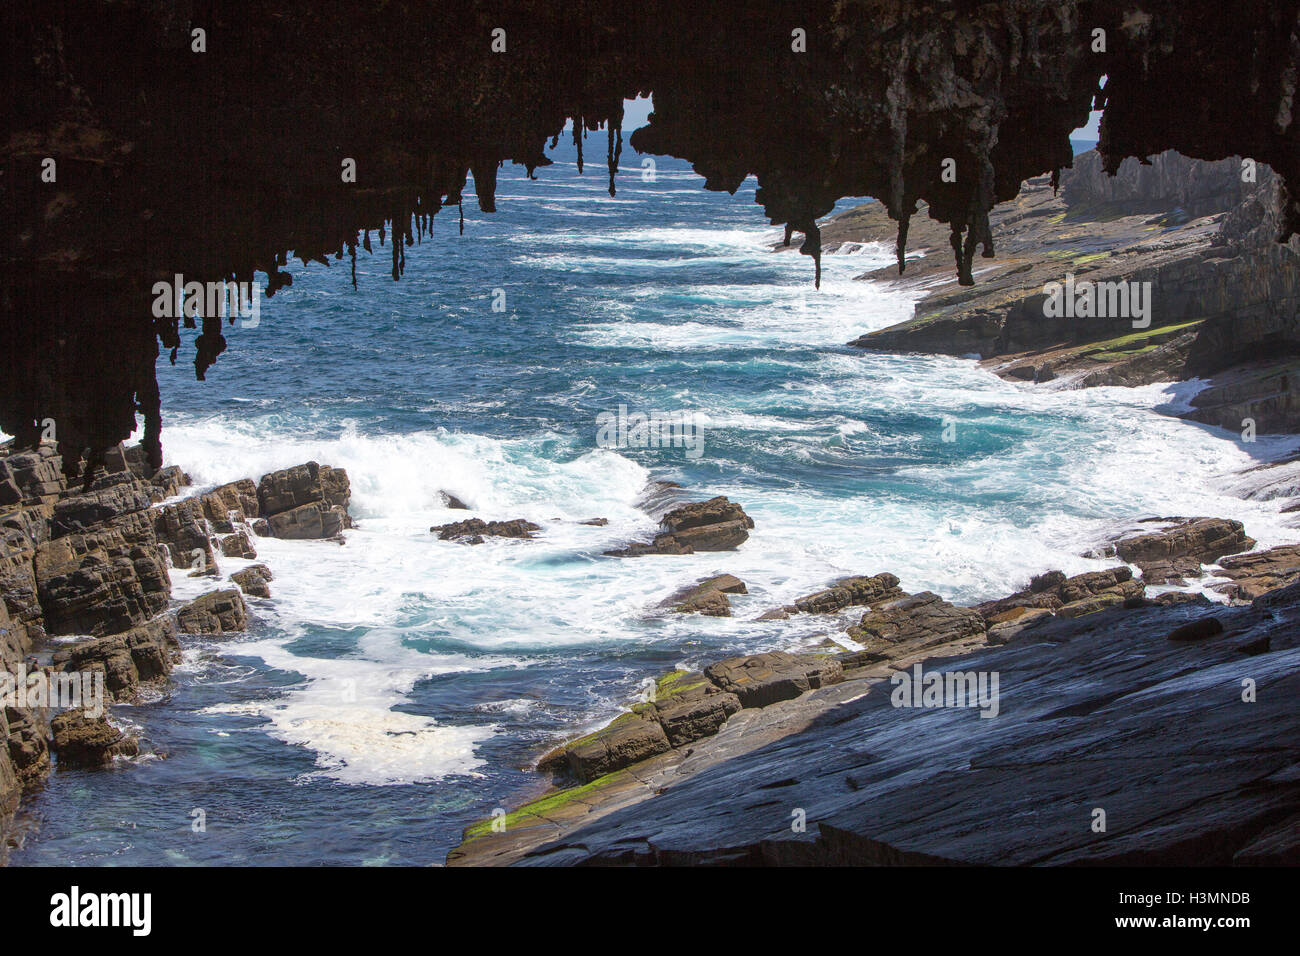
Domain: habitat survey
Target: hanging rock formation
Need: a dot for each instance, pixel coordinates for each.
(222, 138)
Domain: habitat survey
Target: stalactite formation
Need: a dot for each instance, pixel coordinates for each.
(216, 164)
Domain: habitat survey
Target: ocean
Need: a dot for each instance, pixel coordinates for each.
(397, 688)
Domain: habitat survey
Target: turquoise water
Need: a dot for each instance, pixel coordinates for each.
(396, 689)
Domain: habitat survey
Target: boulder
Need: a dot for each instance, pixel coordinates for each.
(662, 544)
(914, 623)
(850, 592)
(81, 741)
(217, 612)
(470, 529)
(238, 496)
(763, 679)
(708, 596)
(301, 485)
(630, 739)
(315, 520)
(714, 525)
(1053, 591)
(238, 545)
(698, 709)
(1173, 553)
(253, 580)
(1258, 573)
(183, 528)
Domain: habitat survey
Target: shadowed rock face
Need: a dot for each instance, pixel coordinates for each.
(214, 164)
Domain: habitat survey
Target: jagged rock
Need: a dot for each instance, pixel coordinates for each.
(1053, 591)
(79, 513)
(696, 709)
(239, 496)
(99, 584)
(630, 739)
(302, 485)
(850, 592)
(253, 580)
(217, 612)
(685, 708)
(1186, 780)
(475, 528)
(138, 656)
(315, 520)
(170, 481)
(713, 525)
(183, 528)
(763, 679)
(1256, 574)
(28, 749)
(262, 528)
(238, 545)
(18, 576)
(36, 475)
(454, 503)
(708, 596)
(1174, 553)
(915, 622)
(81, 741)
(662, 544)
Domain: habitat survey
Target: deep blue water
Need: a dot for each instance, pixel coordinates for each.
(395, 689)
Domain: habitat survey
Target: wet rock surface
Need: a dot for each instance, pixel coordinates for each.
(708, 596)
(1080, 727)
(90, 561)
(714, 525)
(217, 612)
(474, 530)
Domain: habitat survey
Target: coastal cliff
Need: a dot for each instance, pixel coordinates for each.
(1222, 299)
(86, 592)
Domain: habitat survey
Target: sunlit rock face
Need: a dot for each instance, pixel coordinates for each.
(208, 142)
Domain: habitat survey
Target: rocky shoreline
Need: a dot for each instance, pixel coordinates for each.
(699, 723)
(85, 577)
(1223, 301)
(665, 782)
